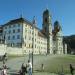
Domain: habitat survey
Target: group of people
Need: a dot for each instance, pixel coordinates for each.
(26, 68)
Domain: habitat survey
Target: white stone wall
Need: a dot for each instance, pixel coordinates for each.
(65, 48)
(8, 32)
(51, 44)
(32, 38)
(54, 47)
(2, 49)
(14, 51)
(42, 45)
(59, 43)
(27, 36)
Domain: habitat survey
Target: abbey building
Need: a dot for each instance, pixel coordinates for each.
(20, 36)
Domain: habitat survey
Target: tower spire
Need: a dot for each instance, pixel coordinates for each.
(21, 15)
(47, 27)
(46, 6)
(34, 21)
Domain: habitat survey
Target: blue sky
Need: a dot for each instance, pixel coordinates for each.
(61, 10)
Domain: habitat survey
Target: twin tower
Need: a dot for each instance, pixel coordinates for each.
(53, 34)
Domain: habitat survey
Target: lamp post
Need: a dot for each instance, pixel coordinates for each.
(33, 42)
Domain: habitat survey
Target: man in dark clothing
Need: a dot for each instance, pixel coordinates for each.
(23, 69)
(71, 69)
(4, 57)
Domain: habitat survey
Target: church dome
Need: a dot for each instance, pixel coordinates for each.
(46, 11)
(57, 26)
(56, 23)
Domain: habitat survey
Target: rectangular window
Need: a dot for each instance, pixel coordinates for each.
(18, 25)
(26, 25)
(18, 30)
(25, 37)
(35, 46)
(35, 40)
(29, 45)
(13, 37)
(14, 25)
(18, 36)
(9, 26)
(6, 27)
(8, 37)
(13, 31)
(32, 39)
(25, 44)
(9, 31)
(5, 32)
(29, 38)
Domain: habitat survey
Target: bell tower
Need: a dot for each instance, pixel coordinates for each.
(59, 38)
(47, 28)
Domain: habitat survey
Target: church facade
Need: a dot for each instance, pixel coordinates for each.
(21, 36)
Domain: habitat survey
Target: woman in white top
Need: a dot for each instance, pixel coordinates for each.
(4, 70)
(29, 67)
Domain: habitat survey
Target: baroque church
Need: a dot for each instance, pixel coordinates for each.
(20, 36)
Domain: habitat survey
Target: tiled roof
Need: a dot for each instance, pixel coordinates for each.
(20, 20)
(17, 21)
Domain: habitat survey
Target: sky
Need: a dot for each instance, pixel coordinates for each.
(61, 10)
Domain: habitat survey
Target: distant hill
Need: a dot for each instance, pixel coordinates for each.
(70, 40)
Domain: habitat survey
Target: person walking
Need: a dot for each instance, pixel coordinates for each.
(29, 67)
(4, 57)
(71, 69)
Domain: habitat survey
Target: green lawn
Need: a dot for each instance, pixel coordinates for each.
(54, 63)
